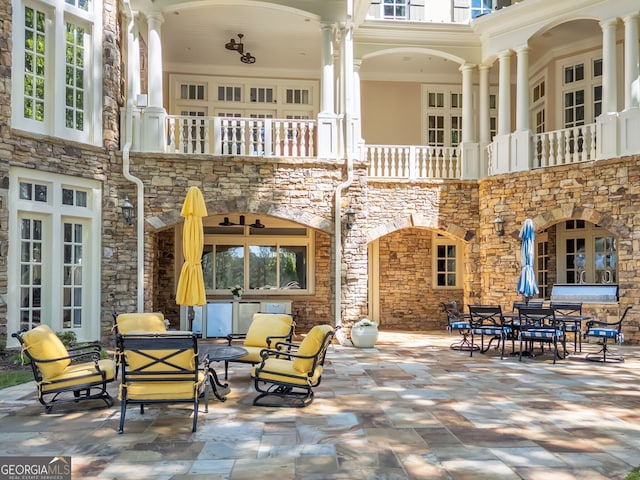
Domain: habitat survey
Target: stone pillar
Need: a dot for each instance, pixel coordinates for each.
(154, 115)
(327, 119)
(470, 167)
(521, 150)
(607, 122)
(630, 117)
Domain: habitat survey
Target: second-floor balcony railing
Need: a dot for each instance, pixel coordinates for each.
(569, 145)
(412, 162)
(241, 136)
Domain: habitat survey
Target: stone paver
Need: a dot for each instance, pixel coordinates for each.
(409, 408)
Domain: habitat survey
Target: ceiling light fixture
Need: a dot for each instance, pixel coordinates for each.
(238, 46)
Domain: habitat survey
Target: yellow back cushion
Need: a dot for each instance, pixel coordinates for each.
(310, 346)
(265, 325)
(43, 344)
(141, 322)
(175, 360)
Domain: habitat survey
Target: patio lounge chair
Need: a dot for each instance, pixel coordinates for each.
(290, 372)
(159, 368)
(66, 376)
(603, 331)
(264, 331)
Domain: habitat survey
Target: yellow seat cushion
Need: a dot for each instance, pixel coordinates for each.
(285, 372)
(81, 374)
(265, 325)
(43, 344)
(165, 391)
(252, 356)
(141, 322)
(311, 345)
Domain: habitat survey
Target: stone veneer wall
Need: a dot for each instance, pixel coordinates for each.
(605, 192)
(408, 300)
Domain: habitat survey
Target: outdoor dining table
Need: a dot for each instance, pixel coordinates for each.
(216, 353)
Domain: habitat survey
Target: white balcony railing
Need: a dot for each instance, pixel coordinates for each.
(412, 162)
(241, 136)
(561, 147)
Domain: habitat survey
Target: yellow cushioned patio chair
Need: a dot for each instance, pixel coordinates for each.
(290, 372)
(159, 368)
(265, 330)
(65, 376)
(140, 322)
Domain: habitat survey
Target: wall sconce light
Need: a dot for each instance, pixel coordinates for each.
(127, 211)
(498, 225)
(350, 216)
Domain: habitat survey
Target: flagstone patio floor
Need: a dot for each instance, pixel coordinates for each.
(410, 408)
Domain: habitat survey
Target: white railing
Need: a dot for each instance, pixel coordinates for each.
(412, 162)
(241, 136)
(561, 147)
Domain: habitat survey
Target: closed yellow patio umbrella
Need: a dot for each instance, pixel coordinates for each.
(190, 291)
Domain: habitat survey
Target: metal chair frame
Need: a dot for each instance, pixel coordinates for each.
(539, 324)
(569, 309)
(487, 320)
(457, 321)
(605, 330)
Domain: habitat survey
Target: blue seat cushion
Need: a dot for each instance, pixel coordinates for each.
(542, 333)
(571, 327)
(602, 333)
(459, 325)
(491, 330)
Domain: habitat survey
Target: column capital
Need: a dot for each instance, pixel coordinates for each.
(522, 49)
(631, 17)
(505, 54)
(467, 67)
(608, 23)
(156, 17)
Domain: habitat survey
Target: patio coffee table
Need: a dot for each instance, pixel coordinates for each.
(216, 353)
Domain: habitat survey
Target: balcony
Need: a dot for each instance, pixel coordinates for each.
(241, 136)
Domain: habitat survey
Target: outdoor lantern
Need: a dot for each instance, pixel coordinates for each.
(127, 211)
(498, 224)
(350, 215)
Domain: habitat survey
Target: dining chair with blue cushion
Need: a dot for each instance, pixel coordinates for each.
(456, 321)
(488, 321)
(569, 310)
(539, 325)
(602, 332)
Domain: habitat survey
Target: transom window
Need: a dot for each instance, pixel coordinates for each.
(395, 9)
(273, 257)
(54, 259)
(587, 253)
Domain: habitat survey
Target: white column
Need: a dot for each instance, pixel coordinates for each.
(327, 97)
(467, 102)
(629, 118)
(501, 149)
(154, 118)
(469, 152)
(521, 139)
(504, 96)
(132, 132)
(155, 59)
(522, 92)
(327, 143)
(484, 117)
(609, 90)
(347, 71)
(484, 125)
(631, 67)
(357, 105)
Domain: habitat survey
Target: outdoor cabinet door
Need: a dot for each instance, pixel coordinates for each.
(245, 316)
(219, 319)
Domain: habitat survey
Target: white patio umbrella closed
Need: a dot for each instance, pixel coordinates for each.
(527, 283)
